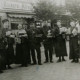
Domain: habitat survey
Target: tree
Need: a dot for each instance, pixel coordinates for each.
(44, 10)
(74, 7)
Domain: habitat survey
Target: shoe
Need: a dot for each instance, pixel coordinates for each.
(76, 61)
(33, 63)
(24, 65)
(39, 64)
(29, 63)
(9, 67)
(45, 61)
(72, 61)
(1, 71)
(4, 68)
(21, 65)
(59, 60)
(63, 60)
(51, 61)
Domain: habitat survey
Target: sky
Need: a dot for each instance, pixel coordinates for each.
(58, 2)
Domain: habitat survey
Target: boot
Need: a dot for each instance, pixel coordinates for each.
(59, 60)
(1, 71)
(51, 61)
(33, 63)
(73, 61)
(39, 63)
(9, 67)
(46, 61)
(63, 59)
(77, 60)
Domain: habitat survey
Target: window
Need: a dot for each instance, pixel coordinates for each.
(14, 26)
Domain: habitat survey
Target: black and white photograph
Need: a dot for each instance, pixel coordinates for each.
(39, 39)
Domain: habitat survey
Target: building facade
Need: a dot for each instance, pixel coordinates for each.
(17, 12)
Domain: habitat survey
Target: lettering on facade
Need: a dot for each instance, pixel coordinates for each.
(17, 5)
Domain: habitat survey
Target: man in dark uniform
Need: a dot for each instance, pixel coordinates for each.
(31, 39)
(48, 42)
(10, 50)
(34, 36)
(38, 40)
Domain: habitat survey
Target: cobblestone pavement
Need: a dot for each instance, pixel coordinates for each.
(50, 71)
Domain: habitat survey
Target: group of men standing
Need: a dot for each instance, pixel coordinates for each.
(20, 48)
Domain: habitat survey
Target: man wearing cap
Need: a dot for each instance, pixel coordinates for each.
(38, 40)
(31, 38)
(48, 42)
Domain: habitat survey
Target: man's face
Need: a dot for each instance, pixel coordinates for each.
(32, 25)
(59, 23)
(38, 25)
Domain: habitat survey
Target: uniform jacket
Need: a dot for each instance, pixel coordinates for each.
(48, 35)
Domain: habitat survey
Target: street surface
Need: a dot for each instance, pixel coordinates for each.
(47, 71)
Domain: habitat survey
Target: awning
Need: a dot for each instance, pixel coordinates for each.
(20, 16)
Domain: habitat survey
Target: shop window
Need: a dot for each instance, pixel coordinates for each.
(14, 26)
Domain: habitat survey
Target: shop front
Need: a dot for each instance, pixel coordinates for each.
(16, 19)
(17, 13)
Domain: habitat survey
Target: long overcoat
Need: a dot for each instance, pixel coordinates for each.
(60, 44)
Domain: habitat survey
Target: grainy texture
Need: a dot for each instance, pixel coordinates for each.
(50, 71)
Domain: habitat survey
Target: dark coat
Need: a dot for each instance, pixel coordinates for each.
(74, 47)
(38, 36)
(31, 38)
(10, 50)
(24, 43)
(18, 54)
(2, 53)
(60, 44)
(74, 50)
(21, 50)
(47, 41)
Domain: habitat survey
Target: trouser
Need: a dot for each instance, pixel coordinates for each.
(2, 59)
(38, 51)
(29, 57)
(31, 54)
(50, 51)
(74, 48)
